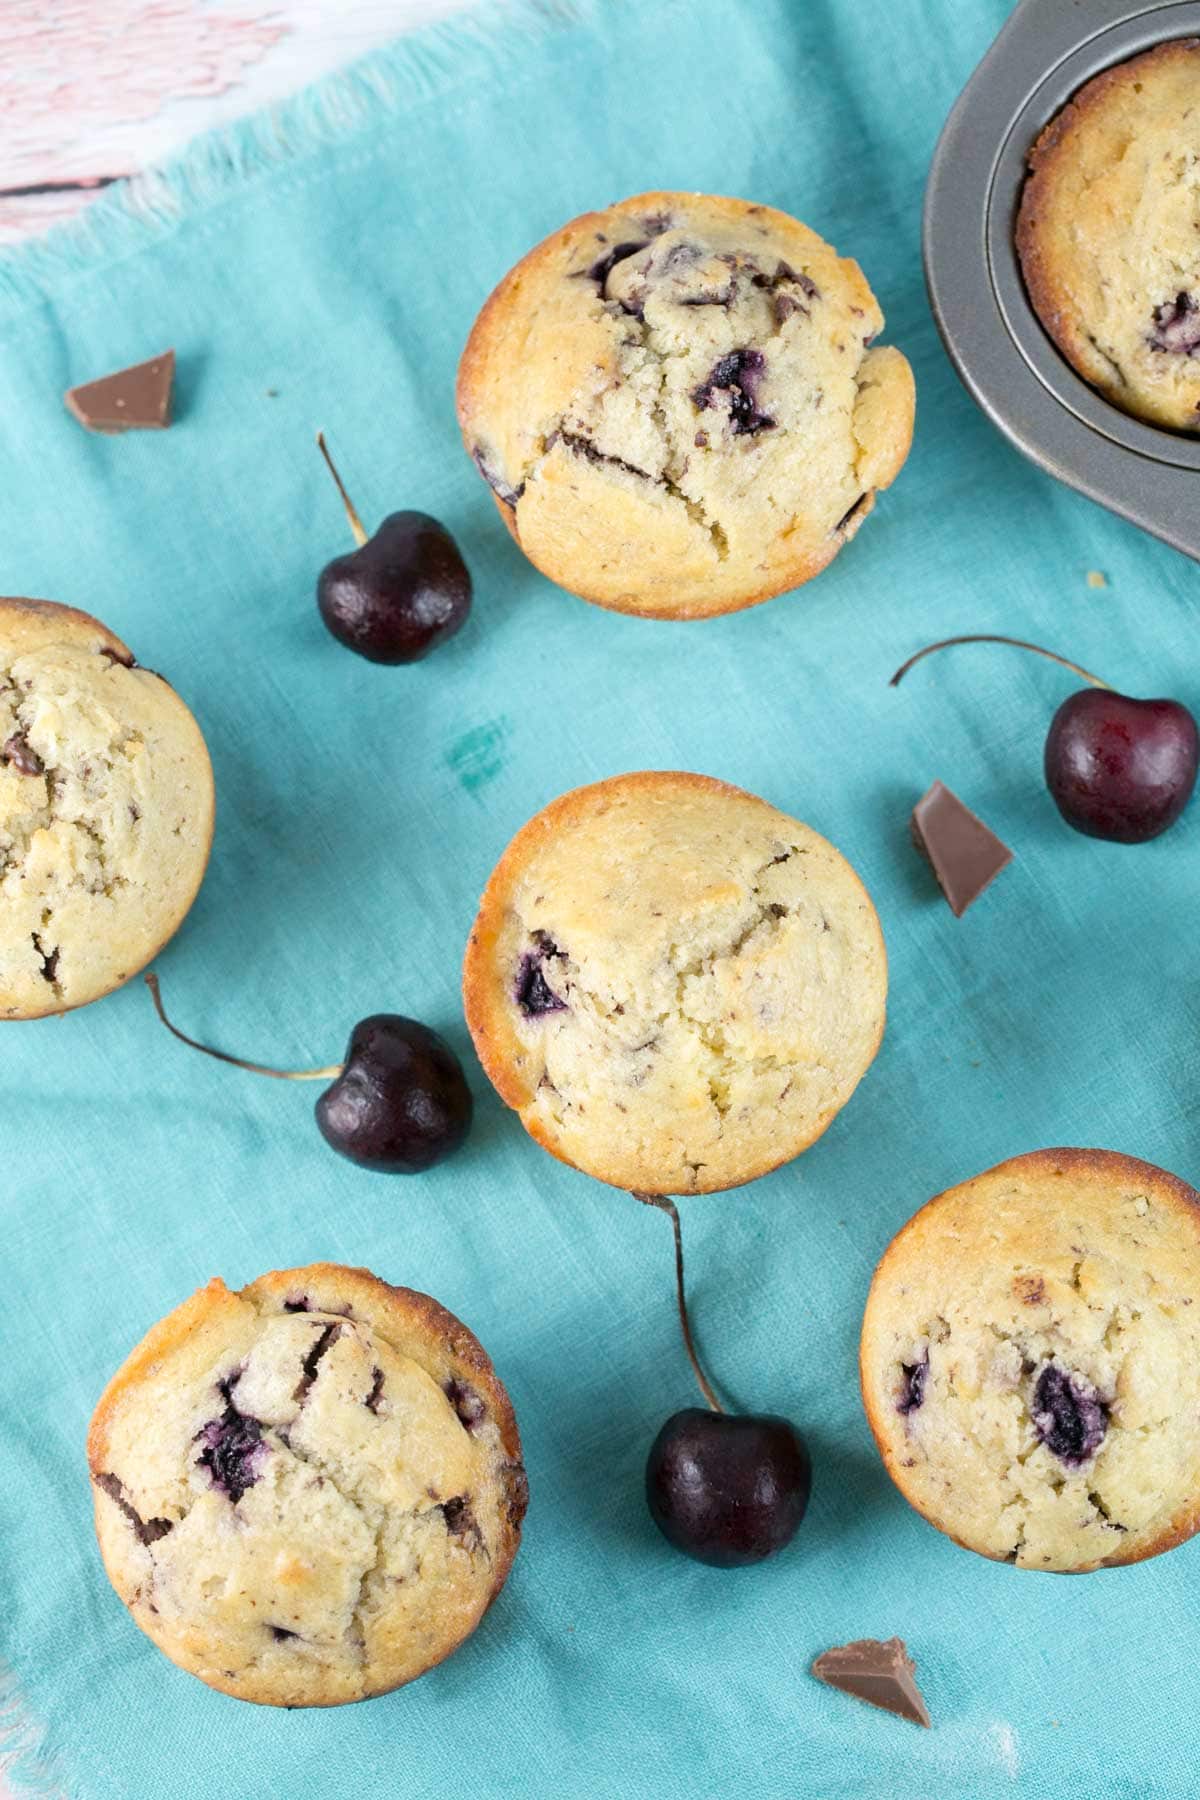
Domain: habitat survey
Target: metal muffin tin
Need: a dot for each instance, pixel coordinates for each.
(1045, 53)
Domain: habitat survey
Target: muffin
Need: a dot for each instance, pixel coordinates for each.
(1109, 234)
(677, 407)
(674, 985)
(309, 1491)
(106, 810)
(1031, 1361)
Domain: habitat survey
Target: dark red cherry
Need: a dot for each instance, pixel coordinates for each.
(401, 592)
(401, 1103)
(1118, 768)
(725, 1488)
(398, 1104)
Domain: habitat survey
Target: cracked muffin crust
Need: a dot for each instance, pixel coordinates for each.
(676, 986)
(310, 1491)
(677, 407)
(1109, 233)
(106, 810)
(1031, 1361)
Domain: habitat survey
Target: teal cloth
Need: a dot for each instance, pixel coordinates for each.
(323, 270)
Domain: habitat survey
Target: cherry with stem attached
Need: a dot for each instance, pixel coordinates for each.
(725, 1488)
(398, 1103)
(1116, 767)
(401, 592)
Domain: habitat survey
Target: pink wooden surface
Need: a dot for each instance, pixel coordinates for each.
(91, 89)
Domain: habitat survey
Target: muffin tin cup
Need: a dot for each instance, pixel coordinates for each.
(1044, 55)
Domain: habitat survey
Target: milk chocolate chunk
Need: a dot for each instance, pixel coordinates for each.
(883, 1675)
(134, 399)
(964, 855)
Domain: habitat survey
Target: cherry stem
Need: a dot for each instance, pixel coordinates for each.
(356, 524)
(665, 1204)
(989, 638)
(329, 1074)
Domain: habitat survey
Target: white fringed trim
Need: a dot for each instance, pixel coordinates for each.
(384, 84)
(23, 1762)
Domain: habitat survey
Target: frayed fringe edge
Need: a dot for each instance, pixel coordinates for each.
(381, 86)
(23, 1762)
